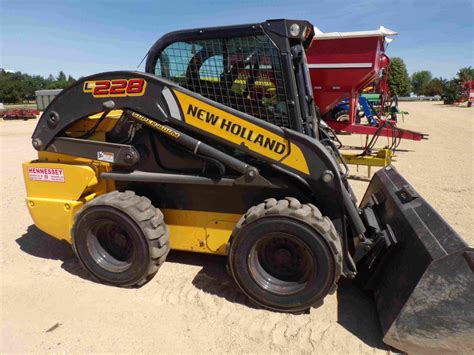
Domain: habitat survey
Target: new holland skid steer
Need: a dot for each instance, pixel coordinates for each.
(218, 149)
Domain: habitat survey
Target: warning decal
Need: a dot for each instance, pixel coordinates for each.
(105, 156)
(46, 174)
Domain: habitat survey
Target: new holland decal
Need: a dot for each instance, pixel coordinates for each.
(115, 87)
(236, 129)
(241, 132)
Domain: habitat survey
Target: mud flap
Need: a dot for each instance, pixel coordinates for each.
(420, 270)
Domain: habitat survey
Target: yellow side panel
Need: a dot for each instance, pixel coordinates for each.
(199, 231)
(53, 204)
(54, 217)
(57, 186)
(241, 132)
(75, 179)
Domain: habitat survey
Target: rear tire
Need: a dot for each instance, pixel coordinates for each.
(120, 238)
(285, 256)
(342, 116)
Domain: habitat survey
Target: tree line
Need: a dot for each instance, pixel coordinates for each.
(19, 87)
(423, 83)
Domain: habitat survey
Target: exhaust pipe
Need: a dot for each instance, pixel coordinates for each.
(421, 272)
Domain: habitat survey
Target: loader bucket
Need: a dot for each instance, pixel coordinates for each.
(422, 277)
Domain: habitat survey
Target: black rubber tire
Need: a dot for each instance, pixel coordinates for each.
(301, 224)
(342, 116)
(134, 221)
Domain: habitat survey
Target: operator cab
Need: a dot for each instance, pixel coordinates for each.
(259, 69)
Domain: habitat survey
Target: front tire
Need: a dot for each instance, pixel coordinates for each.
(120, 238)
(285, 256)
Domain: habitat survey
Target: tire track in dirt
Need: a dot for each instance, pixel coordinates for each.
(222, 303)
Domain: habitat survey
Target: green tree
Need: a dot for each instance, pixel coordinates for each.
(398, 79)
(12, 87)
(15, 87)
(71, 80)
(61, 76)
(33, 83)
(419, 81)
(465, 74)
(435, 87)
(452, 91)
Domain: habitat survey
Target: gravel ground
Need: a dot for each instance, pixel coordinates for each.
(49, 304)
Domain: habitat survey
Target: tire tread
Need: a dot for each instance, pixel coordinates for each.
(292, 208)
(148, 218)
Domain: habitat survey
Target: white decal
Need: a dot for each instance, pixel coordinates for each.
(46, 174)
(105, 156)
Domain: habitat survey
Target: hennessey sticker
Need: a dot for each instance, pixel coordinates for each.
(46, 174)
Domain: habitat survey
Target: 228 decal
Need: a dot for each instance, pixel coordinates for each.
(115, 87)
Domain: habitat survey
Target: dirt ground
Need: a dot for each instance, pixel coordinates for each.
(48, 303)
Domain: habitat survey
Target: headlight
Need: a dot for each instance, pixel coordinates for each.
(294, 30)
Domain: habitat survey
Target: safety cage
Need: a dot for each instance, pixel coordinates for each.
(241, 68)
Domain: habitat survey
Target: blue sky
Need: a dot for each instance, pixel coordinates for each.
(85, 36)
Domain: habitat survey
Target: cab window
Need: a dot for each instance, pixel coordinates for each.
(244, 73)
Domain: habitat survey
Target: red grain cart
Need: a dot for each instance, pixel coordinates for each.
(341, 65)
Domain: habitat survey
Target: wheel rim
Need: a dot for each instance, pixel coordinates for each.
(281, 264)
(110, 246)
(343, 118)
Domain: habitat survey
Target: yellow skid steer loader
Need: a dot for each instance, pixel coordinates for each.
(218, 149)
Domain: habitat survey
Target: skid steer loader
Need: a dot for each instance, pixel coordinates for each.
(218, 149)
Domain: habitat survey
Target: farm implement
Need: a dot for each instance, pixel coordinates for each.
(371, 106)
(19, 114)
(342, 65)
(218, 149)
